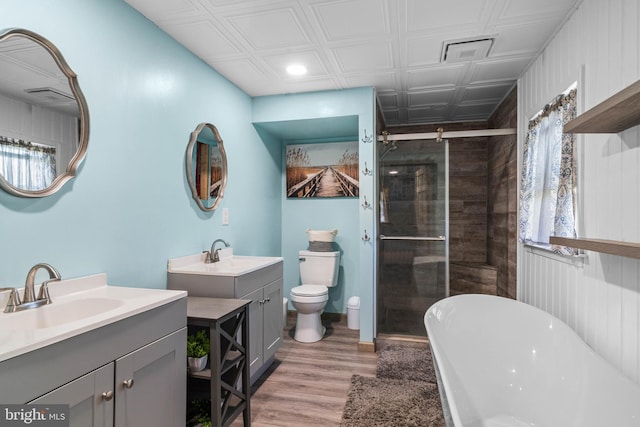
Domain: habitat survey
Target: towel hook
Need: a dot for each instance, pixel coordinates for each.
(366, 205)
(366, 170)
(367, 139)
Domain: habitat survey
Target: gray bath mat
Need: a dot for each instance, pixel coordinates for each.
(406, 361)
(381, 402)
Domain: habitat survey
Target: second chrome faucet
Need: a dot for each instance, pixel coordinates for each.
(213, 255)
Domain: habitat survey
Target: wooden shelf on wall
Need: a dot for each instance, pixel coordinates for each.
(615, 114)
(612, 247)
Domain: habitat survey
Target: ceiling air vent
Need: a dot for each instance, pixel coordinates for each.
(466, 50)
(47, 94)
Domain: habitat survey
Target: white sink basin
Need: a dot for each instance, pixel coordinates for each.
(234, 265)
(59, 313)
(79, 305)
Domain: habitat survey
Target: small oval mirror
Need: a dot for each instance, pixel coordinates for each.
(206, 166)
(44, 125)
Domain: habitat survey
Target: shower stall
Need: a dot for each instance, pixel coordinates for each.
(413, 226)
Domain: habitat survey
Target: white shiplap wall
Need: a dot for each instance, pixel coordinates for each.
(599, 46)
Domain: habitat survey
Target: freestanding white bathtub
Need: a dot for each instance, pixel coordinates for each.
(500, 362)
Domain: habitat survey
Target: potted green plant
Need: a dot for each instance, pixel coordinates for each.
(199, 413)
(198, 346)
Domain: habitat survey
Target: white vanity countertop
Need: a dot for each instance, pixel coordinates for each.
(229, 264)
(79, 305)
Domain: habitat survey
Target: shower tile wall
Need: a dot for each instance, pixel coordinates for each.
(469, 271)
(503, 197)
(469, 199)
(482, 205)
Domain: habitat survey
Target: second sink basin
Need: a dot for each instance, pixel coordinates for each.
(235, 265)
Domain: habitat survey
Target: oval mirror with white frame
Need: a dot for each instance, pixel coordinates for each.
(44, 118)
(206, 166)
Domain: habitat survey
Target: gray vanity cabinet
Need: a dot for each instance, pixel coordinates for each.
(149, 383)
(264, 287)
(128, 373)
(272, 326)
(87, 406)
(143, 379)
(265, 324)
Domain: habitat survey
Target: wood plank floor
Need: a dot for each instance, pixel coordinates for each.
(307, 384)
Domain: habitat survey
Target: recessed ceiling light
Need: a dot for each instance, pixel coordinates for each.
(296, 69)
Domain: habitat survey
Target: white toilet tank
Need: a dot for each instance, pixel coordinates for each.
(319, 268)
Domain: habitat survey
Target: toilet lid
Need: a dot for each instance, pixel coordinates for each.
(309, 290)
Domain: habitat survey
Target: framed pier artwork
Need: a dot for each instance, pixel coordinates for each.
(323, 170)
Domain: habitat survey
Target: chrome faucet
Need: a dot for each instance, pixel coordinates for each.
(29, 295)
(214, 256)
(207, 259)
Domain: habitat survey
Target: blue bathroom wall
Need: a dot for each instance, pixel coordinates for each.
(339, 213)
(316, 111)
(130, 209)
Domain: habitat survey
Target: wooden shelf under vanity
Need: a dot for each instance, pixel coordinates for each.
(228, 323)
(615, 114)
(612, 247)
(232, 361)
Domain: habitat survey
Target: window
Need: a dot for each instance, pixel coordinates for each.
(26, 165)
(547, 194)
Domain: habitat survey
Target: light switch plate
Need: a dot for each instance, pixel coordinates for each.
(225, 216)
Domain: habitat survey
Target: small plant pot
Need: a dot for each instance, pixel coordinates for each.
(197, 364)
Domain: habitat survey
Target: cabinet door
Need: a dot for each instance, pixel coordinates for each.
(272, 321)
(150, 384)
(87, 405)
(255, 330)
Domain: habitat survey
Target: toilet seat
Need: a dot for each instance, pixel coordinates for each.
(309, 294)
(309, 290)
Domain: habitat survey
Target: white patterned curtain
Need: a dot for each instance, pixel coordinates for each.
(547, 202)
(26, 166)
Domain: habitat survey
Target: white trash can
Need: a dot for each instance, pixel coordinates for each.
(353, 313)
(285, 303)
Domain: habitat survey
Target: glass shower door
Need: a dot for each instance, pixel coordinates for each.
(413, 254)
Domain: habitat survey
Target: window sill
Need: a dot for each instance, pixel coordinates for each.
(545, 251)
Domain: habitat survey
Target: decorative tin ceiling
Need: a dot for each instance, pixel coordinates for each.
(395, 45)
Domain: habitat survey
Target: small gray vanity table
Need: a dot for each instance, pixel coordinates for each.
(228, 321)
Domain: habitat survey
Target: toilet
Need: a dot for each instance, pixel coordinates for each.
(318, 273)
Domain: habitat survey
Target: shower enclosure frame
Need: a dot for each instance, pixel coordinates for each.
(441, 236)
(440, 135)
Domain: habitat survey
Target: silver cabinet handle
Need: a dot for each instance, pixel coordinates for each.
(128, 383)
(107, 395)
